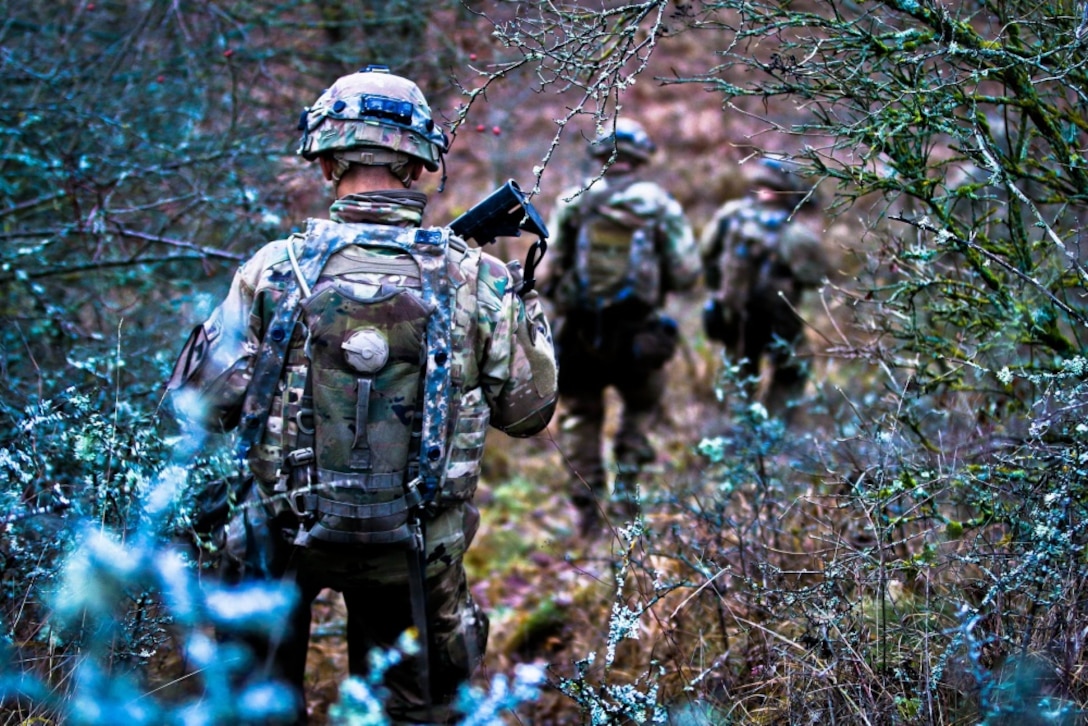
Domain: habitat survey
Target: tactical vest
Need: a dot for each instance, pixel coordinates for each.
(615, 257)
(361, 431)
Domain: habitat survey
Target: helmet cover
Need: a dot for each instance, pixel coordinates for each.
(777, 174)
(372, 109)
(628, 138)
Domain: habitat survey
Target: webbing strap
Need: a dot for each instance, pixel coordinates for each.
(360, 447)
(417, 593)
(402, 533)
(273, 351)
(432, 248)
(384, 481)
(317, 504)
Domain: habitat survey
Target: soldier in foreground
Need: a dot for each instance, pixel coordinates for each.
(362, 362)
(758, 259)
(618, 249)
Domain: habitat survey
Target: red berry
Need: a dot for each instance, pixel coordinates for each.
(160, 79)
(472, 56)
(90, 6)
(480, 128)
(228, 53)
(496, 130)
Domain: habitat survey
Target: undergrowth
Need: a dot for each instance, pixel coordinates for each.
(797, 578)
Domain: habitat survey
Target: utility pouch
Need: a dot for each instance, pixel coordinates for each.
(717, 324)
(655, 344)
(209, 508)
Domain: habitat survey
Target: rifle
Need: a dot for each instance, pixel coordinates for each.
(504, 213)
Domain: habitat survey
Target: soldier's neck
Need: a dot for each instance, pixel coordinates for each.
(362, 179)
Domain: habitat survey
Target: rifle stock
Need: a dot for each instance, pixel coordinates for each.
(505, 213)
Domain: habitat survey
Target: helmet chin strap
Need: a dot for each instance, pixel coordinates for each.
(340, 167)
(442, 181)
(402, 170)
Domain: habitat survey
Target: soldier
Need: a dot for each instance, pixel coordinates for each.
(618, 248)
(758, 259)
(362, 362)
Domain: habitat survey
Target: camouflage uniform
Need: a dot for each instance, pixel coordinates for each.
(620, 343)
(502, 373)
(758, 259)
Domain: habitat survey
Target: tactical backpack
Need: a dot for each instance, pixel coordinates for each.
(616, 258)
(777, 251)
(360, 428)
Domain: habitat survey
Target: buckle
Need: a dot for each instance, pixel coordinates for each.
(305, 413)
(416, 529)
(296, 502)
(299, 457)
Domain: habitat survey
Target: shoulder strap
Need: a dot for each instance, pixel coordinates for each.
(431, 249)
(273, 351)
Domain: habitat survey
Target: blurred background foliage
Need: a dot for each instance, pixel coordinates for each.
(912, 551)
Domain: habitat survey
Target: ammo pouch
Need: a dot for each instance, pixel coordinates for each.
(655, 343)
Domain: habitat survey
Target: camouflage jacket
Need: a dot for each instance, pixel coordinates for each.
(753, 250)
(675, 252)
(502, 364)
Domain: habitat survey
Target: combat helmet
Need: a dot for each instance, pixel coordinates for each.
(778, 174)
(628, 138)
(372, 110)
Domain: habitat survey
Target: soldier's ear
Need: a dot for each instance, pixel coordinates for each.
(327, 166)
(417, 171)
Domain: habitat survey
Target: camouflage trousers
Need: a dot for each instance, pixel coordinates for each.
(374, 584)
(377, 616)
(586, 370)
(766, 326)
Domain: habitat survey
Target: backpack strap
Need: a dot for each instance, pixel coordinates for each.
(431, 250)
(273, 351)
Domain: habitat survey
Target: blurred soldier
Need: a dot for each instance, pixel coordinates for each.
(618, 249)
(362, 361)
(758, 259)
